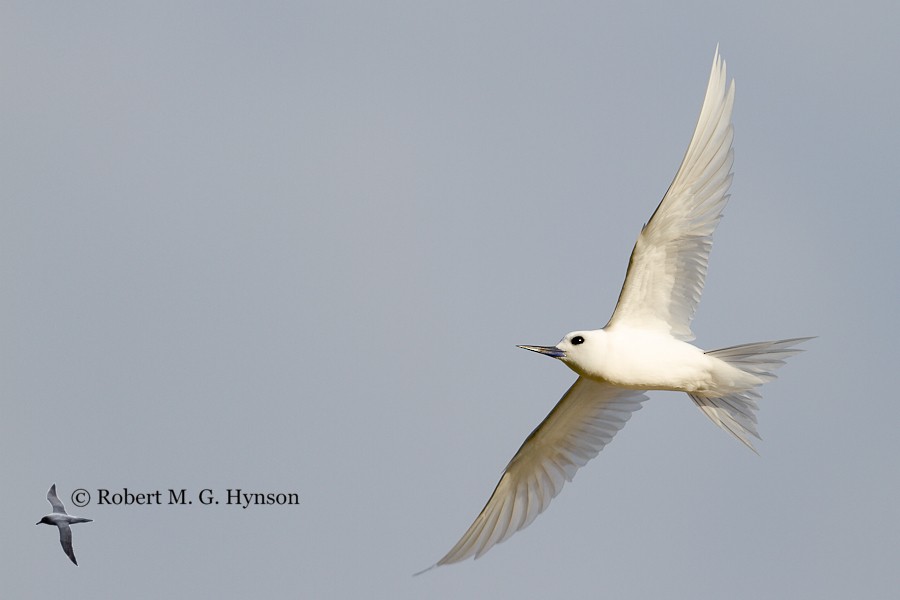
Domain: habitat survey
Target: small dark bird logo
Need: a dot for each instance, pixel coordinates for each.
(62, 520)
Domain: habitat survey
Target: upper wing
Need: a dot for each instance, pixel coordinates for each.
(668, 264)
(65, 539)
(578, 427)
(54, 500)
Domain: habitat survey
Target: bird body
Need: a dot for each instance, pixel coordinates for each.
(56, 519)
(640, 360)
(646, 343)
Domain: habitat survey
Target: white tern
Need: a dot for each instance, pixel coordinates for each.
(644, 346)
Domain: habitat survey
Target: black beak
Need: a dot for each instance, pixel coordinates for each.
(548, 350)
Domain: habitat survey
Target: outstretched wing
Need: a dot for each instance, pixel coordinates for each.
(54, 500)
(668, 264)
(65, 539)
(579, 426)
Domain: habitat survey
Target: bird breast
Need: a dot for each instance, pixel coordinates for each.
(647, 360)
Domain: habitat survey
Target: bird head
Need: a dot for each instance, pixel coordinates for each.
(575, 350)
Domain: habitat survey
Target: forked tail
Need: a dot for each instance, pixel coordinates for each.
(736, 412)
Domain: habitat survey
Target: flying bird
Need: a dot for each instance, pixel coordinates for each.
(644, 346)
(62, 520)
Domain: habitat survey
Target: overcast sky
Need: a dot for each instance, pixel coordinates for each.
(290, 247)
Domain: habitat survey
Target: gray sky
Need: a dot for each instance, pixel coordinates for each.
(291, 247)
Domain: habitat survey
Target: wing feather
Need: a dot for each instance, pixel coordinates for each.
(579, 426)
(54, 501)
(667, 268)
(65, 540)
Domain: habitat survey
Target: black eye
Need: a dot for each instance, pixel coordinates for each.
(577, 340)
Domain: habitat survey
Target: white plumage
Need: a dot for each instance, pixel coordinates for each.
(645, 343)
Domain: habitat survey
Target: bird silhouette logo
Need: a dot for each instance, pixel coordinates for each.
(62, 520)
